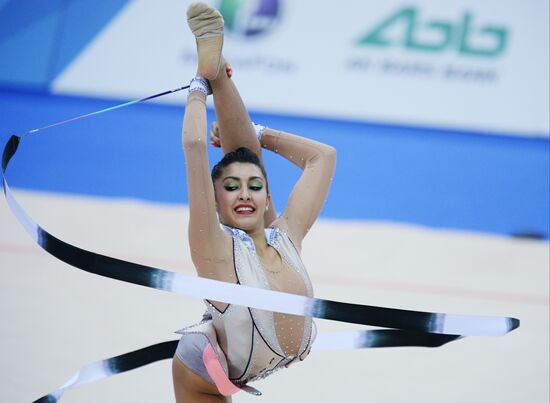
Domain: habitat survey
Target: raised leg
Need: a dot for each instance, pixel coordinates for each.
(231, 114)
(233, 121)
(206, 23)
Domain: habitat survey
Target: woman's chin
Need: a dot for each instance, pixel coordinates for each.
(245, 223)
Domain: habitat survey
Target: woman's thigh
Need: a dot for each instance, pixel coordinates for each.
(189, 387)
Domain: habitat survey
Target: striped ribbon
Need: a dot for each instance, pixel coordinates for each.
(405, 327)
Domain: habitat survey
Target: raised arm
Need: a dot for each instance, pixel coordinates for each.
(210, 246)
(306, 200)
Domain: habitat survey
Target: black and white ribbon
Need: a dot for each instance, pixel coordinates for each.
(325, 341)
(428, 322)
(112, 366)
(405, 327)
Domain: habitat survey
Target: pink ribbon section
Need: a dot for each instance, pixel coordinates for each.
(216, 372)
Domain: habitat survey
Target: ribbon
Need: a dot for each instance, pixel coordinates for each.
(406, 327)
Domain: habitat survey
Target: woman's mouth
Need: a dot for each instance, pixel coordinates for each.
(244, 209)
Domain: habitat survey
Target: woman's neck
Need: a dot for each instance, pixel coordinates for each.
(258, 236)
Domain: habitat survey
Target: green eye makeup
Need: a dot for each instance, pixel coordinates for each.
(256, 185)
(231, 185)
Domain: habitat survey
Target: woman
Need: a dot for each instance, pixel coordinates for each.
(234, 345)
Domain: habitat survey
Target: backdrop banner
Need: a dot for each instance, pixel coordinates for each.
(458, 64)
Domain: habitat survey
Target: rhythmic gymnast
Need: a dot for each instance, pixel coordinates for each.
(234, 345)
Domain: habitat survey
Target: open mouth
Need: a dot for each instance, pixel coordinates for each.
(244, 210)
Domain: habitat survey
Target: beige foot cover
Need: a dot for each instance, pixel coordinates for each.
(206, 23)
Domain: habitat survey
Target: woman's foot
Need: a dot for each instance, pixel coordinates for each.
(206, 23)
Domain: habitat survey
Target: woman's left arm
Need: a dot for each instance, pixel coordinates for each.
(317, 160)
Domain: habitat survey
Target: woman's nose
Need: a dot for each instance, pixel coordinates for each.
(244, 194)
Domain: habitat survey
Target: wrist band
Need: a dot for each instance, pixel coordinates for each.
(200, 84)
(259, 129)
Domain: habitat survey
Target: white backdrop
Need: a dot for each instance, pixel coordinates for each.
(458, 64)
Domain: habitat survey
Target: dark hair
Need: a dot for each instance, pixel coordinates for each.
(242, 154)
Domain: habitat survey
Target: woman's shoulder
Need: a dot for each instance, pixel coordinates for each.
(281, 230)
(239, 235)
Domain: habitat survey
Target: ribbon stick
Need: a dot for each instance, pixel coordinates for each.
(112, 108)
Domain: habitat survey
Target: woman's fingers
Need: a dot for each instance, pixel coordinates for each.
(215, 135)
(215, 142)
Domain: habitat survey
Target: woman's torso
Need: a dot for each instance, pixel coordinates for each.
(256, 342)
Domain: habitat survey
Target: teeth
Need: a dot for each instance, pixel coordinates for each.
(244, 209)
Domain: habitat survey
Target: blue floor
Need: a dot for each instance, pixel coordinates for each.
(425, 176)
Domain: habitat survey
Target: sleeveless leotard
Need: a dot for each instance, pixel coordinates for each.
(245, 339)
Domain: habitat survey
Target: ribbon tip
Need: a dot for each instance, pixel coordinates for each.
(513, 323)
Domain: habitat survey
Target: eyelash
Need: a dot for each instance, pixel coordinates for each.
(233, 188)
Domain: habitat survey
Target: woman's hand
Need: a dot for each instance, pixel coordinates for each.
(215, 135)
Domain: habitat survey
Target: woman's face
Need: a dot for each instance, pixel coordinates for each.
(241, 196)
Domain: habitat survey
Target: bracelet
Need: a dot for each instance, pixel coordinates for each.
(200, 84)
(259, 129)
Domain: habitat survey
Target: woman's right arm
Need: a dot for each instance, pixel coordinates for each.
(211, 247)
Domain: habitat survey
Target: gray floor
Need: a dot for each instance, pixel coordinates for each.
(55, 318)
